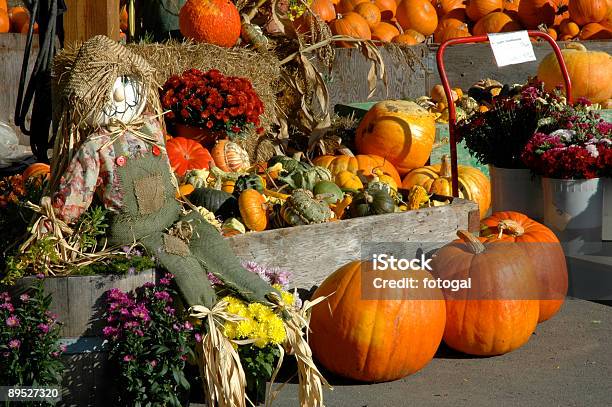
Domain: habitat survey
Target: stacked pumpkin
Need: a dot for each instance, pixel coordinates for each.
(15, 19)
(412, 21)
(518, 278)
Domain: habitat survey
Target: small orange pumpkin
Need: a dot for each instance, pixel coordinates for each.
(186, 154)
(533, 13)
(253, 210)
(384, 32)
(324, 9)
(495, 22)
(369, 12)
(210, 21)
(409, 37)
(344, 6)
(446, 6)
(36, 170)
(19, 17)
(569, 28)
(5, 22)
(230, 157)
(450, 28)
(477, 9)
(419, 15)
(387, 8)
(350, 24)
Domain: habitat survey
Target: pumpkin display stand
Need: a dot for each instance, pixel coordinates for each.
(312, 252)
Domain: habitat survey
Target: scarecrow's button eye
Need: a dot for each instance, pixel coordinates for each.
(120, 161)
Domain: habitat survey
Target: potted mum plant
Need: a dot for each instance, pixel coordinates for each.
(208, 106)
(572, 154)
(497, 137)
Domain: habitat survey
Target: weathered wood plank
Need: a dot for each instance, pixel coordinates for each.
(347, 82)
(468, 63)
(465, 65)
(87, 18)
(12, 47)
(313, 252)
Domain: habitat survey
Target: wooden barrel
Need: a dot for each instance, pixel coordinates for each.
(79, 303)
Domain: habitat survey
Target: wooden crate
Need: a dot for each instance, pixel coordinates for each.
(465, 64)
(79, 303)
(313, 252)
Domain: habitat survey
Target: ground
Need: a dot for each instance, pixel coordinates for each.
(567, 362)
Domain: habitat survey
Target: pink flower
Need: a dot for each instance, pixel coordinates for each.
(12, 321)
(44, 328)
(24, 297)
(14, 343)
(128, 358)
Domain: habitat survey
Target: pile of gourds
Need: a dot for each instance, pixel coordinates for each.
(393, 140)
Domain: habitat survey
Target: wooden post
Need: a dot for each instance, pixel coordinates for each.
(87, 18)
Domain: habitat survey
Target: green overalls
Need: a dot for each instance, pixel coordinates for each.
(150, 209)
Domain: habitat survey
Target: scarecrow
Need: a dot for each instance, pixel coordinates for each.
(110, 146)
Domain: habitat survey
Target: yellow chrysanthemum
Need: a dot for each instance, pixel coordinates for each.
(246, 328)
(276, 331)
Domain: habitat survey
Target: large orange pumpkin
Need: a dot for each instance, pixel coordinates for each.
(496, 22)
(532, 13)
(186, 154)
(419, 15)
(350, 24)
(500, 311)
(369, 12)
(589, 71)
(588, 11)
(436, 179)
(477, 9)
(569, 28)
(542, 247)
(211, 21)
(595, 31)
(361, 164)
(450, 28)
(384, 32)
(398, 130)
(378, 339)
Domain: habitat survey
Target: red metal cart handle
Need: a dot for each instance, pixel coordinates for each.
(452, 112)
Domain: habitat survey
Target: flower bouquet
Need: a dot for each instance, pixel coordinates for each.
(571, 150)
(498, 137)
(207, 106)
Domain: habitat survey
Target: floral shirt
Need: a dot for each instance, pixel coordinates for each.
(94, 170)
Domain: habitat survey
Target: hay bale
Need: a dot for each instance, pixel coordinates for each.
(173, 58)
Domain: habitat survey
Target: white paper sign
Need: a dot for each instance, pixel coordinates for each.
(511, 48)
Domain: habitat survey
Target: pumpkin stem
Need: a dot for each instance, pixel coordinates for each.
(472, 241)
(512, 226)
(345, 151)
(368, 198)
(576, 46)
(445, 167)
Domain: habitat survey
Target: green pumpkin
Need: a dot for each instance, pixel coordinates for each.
(372, 202)
(329, 191)
(249, 181)
(306, 179)
(218, 202)
(301, 208)
(289, 164)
